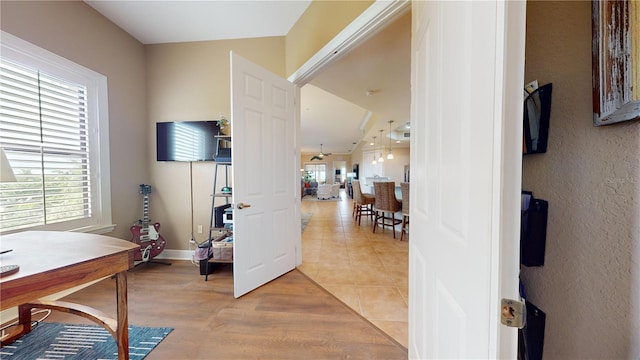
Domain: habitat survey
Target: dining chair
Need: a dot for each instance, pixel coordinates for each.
(385, 203)
(362, 202)
(404, 188)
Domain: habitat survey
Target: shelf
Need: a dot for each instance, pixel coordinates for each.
(220, 261)
(222, 233)
(225, 233)
(222, 157)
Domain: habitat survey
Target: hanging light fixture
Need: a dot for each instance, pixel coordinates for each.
(374, 151)
(381, 159)
(390, 155)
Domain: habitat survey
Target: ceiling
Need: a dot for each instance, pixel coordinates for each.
(160, 21)
(346, 104)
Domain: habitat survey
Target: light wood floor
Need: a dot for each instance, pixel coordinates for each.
(288, 318)
(367, 271)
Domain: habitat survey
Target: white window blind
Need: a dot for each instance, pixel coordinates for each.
(44, 132)
(49, 132)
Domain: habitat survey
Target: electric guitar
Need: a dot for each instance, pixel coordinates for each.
(145, 233)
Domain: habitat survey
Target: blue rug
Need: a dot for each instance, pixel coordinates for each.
(49, 340)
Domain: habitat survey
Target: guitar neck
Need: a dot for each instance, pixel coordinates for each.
(145, 211)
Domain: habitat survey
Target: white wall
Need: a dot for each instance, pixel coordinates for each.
(589, 286)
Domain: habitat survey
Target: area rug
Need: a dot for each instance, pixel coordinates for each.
(315, 198)
(50, 340)
(306, 217)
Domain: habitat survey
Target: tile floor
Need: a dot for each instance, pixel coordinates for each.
(367, 271)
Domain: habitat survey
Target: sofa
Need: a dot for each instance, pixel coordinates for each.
(310, 188)
(328, 191)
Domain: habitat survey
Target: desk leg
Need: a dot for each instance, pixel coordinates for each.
(22, 328)
(123, 317)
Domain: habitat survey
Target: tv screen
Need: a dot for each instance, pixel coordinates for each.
(186, 140)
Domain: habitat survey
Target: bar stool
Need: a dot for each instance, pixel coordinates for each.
(362, 202)
(386, 202)
(404, 187)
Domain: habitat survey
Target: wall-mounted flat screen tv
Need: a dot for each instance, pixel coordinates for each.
(186, 140)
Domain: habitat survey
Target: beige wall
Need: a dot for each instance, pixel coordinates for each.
(589, 286)
(393, 169)
(320, 23)
(328, 161)
(190, 81)
(167, 82)
(75, 31)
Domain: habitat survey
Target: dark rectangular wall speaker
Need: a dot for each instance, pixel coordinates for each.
(533, 235)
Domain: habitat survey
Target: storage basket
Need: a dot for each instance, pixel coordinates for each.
(222, 249)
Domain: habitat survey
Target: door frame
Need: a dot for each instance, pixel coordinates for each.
(372, 20)
(375, 18)
(508, 240)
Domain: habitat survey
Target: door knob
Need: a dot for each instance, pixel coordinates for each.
(242, 206)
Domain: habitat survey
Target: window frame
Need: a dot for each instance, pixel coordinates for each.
(22, 52)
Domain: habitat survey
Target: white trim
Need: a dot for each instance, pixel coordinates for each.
(296, 182)
(372, 20)
(97, 229)
(508, 179)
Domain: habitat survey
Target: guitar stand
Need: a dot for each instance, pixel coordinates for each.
(146, 252)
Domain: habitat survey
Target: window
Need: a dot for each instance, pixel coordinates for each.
(54, 131)
(317, 172)
(616, 61)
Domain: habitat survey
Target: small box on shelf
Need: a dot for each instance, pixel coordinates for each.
(227, 217)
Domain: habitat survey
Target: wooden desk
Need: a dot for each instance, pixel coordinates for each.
(53, 261)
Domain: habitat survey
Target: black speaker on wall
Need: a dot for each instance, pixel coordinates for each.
(533, 231)
(531, 337)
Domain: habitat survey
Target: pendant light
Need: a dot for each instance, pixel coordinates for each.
(381, 159)
(390, 155)
(374, 151)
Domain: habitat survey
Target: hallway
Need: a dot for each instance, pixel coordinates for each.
(366, 271)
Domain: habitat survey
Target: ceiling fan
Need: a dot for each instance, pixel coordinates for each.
(320, 155)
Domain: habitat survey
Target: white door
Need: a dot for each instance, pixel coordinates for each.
(264, 166)
(466, 133)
